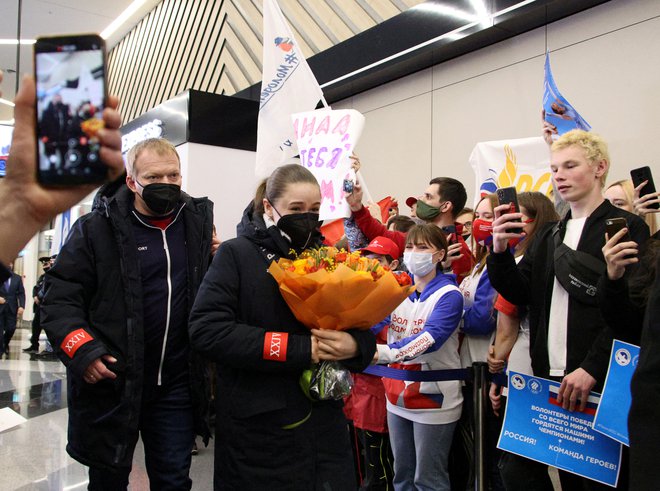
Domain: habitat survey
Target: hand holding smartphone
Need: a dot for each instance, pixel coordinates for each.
(70, 73)
(509, 196)
(640, 175)
(616, 256)
(613, 225)
(505, 229)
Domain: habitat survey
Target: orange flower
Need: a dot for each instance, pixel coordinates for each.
(328, 288)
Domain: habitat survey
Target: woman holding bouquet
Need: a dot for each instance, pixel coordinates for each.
(422, 335)
(269, 434)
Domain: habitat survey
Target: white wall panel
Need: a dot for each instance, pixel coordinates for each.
(604, 61)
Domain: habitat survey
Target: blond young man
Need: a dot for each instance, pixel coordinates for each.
(568, 336)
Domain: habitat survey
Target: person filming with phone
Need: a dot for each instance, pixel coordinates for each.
(569, 339)
(26, 204)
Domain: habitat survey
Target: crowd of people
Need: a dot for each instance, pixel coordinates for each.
(155, 319)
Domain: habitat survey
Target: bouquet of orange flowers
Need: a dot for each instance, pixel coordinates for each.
(330, 288)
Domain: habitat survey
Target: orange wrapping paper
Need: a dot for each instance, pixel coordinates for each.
(341, 299)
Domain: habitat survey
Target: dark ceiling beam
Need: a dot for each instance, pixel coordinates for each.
(414, 27)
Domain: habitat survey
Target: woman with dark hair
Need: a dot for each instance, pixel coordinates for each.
(422, 335)
(269, 434)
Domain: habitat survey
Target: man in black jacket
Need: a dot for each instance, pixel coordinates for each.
(557, 279)
(12, 305)
(116, 310)
(37, 297)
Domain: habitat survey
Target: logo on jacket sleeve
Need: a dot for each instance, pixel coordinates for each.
(74, 341)
(275, 344)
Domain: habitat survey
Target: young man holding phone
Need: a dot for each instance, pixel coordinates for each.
(569, 339)
(440, 204)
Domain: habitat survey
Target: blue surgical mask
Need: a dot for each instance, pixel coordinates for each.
(419, 263)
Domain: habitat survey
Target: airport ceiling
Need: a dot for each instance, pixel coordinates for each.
(320, 24)
(413, 33)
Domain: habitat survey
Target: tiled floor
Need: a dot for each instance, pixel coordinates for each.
(33, 455)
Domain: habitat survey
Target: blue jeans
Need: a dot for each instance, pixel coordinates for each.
(420, 454)
(167, 430)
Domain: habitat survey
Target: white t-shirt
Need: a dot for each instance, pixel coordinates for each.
(558, 322)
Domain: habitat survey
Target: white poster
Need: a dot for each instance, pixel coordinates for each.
(523, 163)
(326, 140)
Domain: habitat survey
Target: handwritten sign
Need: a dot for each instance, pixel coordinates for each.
(326, 140)
(612, 415)
(536, 427)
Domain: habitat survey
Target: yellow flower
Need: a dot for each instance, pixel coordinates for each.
(299, 265)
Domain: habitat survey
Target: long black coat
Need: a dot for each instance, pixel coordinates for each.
(238, 304)
(95, 286)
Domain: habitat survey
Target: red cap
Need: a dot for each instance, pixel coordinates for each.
(383, 246)
(411, 201)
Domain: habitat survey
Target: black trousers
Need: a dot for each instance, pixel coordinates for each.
(378, 461)
(36, 328)
(167, 430)
(257, 453)
(7, 328)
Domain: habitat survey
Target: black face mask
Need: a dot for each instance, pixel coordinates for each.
(302, 228)
(161, 198)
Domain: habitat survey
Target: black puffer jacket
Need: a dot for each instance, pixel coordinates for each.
(237, 310)
(93, 306)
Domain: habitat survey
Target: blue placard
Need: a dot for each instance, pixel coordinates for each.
(537, 428)
(558, 111)
(612, 415)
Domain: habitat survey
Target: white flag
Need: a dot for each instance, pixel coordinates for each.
(522, 162)
(287, 86)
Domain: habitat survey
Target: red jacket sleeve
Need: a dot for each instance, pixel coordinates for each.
(372, 228)
(506, 307)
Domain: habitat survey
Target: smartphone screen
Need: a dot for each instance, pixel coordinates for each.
(71, 94)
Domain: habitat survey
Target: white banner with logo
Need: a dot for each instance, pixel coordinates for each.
(288, 86)
(523, 163)
(326, 140)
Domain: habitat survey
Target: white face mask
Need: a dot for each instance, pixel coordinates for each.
(419, 263)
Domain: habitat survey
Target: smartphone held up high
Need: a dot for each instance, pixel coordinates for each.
(640, 175)
(509, 196)
(70, 73)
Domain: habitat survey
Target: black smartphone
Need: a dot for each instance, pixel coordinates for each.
(348, 186)
(509, 196)
(613, 225)
(70, 73)
(640, 175)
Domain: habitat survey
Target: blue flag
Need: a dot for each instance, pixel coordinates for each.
(558, 111)
(612, 416)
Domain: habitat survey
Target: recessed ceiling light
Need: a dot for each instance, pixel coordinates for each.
(15, 41)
